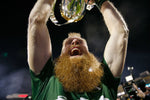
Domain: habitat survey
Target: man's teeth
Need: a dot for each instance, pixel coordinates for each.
(75, 51)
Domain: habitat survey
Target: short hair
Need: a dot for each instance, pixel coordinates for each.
(73, 34)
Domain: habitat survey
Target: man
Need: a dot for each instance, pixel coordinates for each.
(77, 74)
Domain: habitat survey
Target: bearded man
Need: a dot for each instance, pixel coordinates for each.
(77, 73)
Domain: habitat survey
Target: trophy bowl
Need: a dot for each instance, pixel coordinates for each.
(71, 11)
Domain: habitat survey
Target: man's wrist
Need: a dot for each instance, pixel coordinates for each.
(100, 2)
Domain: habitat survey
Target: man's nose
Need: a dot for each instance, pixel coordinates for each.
(75, 42)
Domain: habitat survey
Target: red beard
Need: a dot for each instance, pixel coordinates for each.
(79, 74)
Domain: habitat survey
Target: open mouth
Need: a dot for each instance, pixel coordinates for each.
(75, 51)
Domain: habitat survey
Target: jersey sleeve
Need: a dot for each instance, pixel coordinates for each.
(38, 82)
(108, 78)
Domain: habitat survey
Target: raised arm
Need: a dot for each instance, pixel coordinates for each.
(116, 47)
(39, 42)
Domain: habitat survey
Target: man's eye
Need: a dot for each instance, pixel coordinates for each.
(69, 42)
(81, 41)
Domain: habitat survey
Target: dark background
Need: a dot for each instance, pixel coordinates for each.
(14, 71)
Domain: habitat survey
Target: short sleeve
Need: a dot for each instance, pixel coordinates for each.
(108, 78)
(38, 82)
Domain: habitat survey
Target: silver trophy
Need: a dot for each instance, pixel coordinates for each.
(71, 11)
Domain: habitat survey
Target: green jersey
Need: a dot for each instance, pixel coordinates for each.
(46, 86)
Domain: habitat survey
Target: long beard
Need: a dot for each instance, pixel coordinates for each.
(79, 74)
